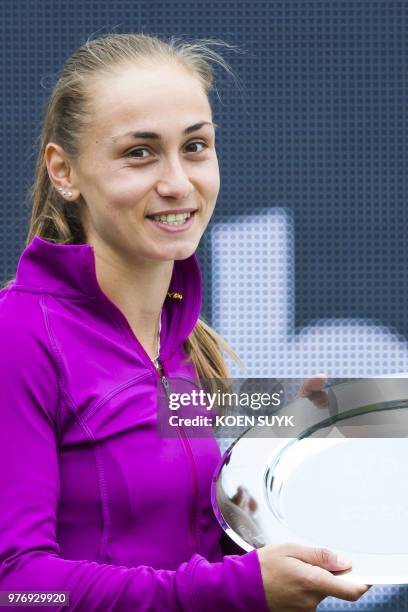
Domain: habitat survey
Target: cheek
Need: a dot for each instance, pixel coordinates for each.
(215, 185)
(127, 191)
(210, 180)
(215, 188)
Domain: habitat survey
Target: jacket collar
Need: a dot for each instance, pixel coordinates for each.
(69, 271)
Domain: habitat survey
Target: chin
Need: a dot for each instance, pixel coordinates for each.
(180, 252)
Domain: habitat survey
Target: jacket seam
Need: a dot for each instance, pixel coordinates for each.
(62, 390)
(120, 325)
(55, 352)
(192, 466)
(106, 520)
(93, 409)
(63, 393)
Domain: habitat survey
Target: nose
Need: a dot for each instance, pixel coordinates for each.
(174, 183)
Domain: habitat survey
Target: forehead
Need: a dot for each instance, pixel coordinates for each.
(147, 97)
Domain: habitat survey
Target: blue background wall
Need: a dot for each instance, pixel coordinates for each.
(317, 133)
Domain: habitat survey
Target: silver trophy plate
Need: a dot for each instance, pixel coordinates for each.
(340, 481)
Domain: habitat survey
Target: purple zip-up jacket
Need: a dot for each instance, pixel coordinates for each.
(93, 501)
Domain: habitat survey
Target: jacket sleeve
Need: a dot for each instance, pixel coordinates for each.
(29, 495)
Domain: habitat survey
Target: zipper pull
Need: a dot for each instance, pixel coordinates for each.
(166, 386)
(163, 379)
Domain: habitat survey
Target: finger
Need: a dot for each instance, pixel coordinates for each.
(322, 557)
(328, 585)
(319, 578)
(312, 384)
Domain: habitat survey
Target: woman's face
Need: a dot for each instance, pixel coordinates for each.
(125, 178)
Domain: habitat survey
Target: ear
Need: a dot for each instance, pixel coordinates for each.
(61, 171)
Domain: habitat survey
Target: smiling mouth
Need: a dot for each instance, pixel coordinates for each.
(172, 219)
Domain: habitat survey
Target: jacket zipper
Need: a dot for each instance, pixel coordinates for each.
(187, 449)
(163, 379)
(158, 369)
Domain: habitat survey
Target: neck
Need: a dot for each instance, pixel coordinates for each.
(138, 289)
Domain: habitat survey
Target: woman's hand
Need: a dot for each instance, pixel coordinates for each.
(297, 578)
(313, 388)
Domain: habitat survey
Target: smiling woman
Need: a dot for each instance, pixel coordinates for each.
(104, 310)
(105, 304)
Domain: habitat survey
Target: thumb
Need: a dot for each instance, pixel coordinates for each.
(313, 384)
(322, 557)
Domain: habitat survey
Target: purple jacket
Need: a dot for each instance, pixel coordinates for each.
(92, 500)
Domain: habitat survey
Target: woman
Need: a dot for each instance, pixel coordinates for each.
(105, 304)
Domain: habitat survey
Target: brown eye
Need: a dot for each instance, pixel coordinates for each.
(130, 153)
(197, 142)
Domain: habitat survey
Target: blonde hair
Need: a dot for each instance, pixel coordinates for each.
(67, 115)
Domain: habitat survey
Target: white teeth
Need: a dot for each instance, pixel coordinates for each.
(172, 219)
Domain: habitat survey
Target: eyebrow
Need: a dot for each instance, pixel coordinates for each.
(155, 135)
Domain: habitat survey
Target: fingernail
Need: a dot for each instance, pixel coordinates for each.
(343, 561)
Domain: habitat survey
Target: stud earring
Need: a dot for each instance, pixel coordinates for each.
(64, 193)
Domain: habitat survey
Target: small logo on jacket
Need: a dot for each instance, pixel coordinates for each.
(174, 295)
